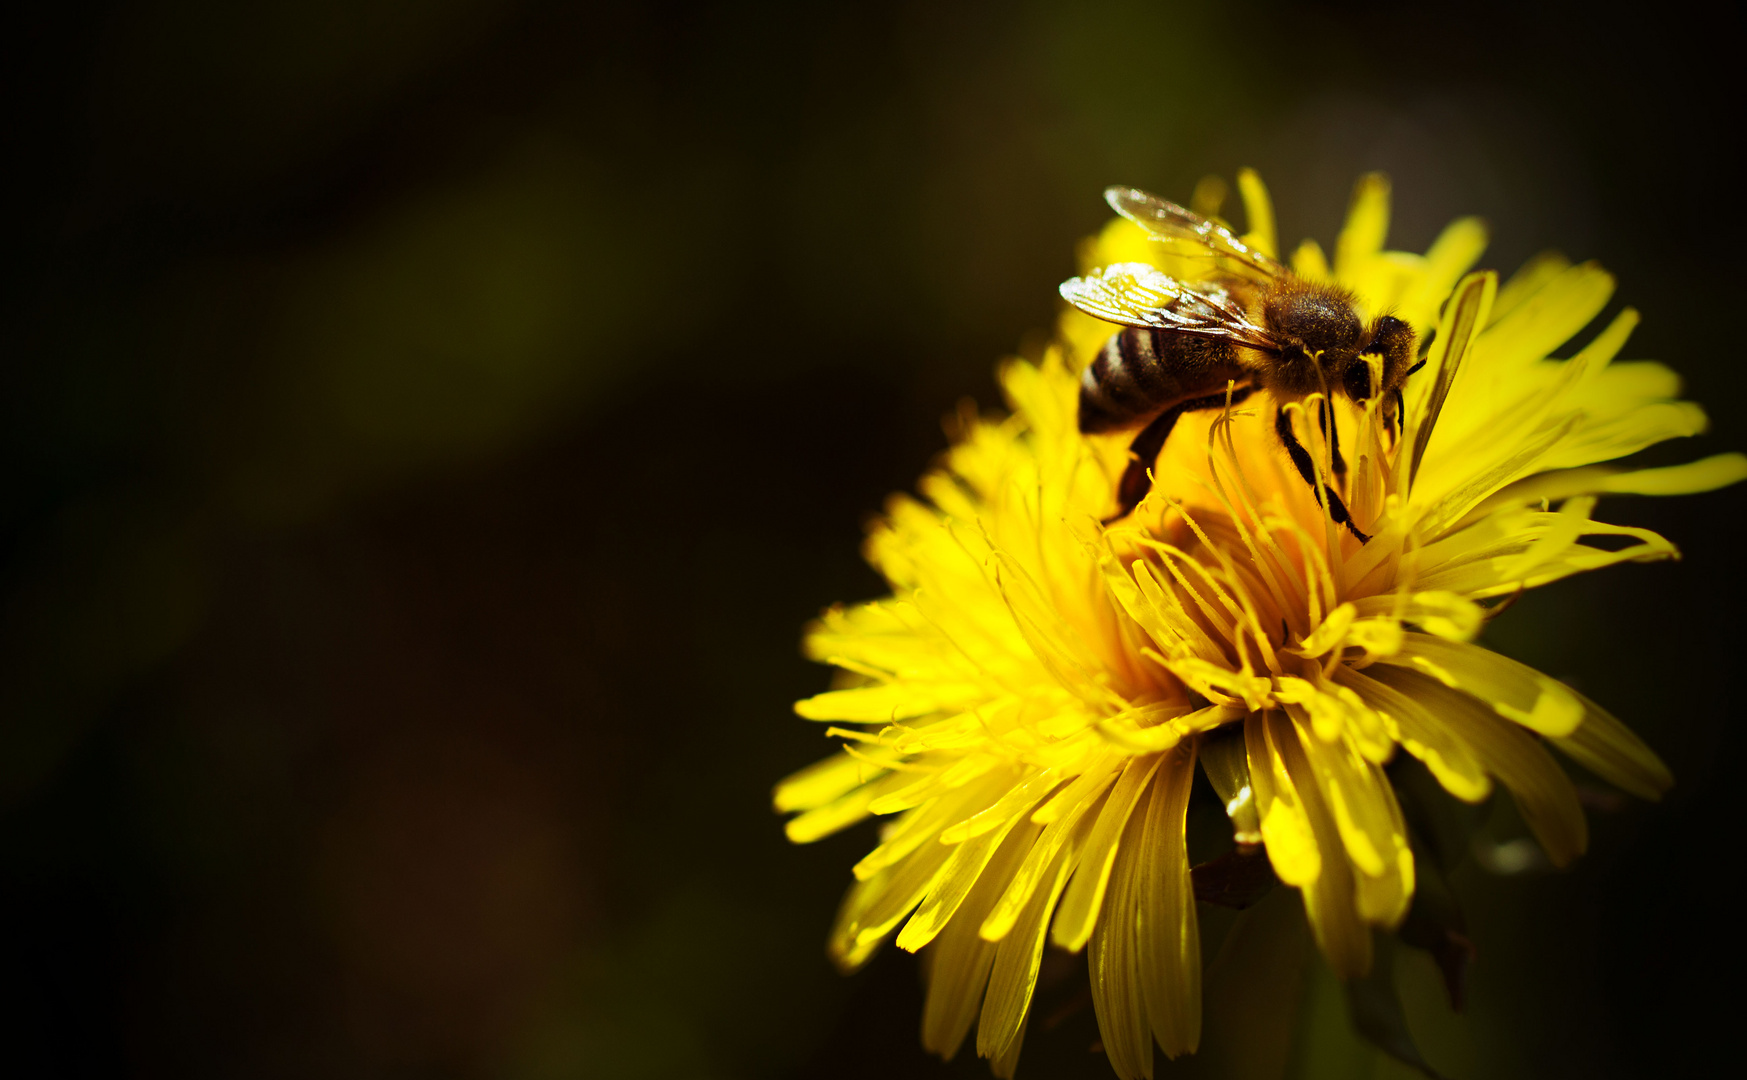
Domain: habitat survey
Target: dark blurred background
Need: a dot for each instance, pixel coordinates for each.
(427, 426)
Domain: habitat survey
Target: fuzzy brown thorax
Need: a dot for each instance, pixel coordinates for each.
(1320, 336)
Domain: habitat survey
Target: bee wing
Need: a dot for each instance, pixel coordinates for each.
(1135, 294)
(1167, 222)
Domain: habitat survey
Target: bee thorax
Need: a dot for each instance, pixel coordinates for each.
(1319, 334)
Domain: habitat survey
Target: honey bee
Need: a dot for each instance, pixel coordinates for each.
(1250, 324)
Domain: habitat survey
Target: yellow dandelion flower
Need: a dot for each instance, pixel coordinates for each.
(1026, 709)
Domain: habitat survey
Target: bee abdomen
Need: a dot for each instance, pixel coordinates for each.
(1138, 372)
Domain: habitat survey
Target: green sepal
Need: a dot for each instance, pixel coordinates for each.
(1375, 1009)
(1435, 923)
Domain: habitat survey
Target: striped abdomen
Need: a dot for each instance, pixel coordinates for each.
(1140, 372)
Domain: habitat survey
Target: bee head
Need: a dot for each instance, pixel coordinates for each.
(1320, 336)
(1393, 341)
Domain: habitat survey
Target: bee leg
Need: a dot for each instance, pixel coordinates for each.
(1296, 451)
(1143, 452)
(1325, 496)
(1332, 432)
